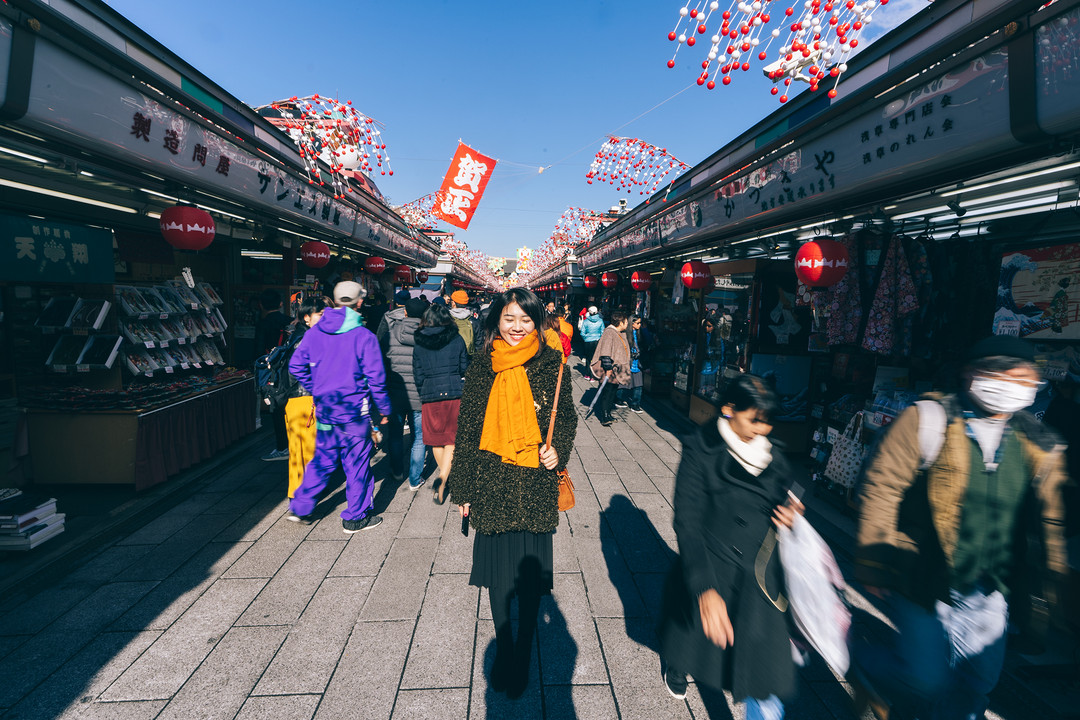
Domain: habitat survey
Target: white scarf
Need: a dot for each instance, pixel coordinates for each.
(754, 456)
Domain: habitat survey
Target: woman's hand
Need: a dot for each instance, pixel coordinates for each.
(784, 515)
(548, 457)
(714, 618)
(464, 509)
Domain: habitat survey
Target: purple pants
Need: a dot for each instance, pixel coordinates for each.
(350, 447)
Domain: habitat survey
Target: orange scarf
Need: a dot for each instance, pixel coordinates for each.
(511, 429)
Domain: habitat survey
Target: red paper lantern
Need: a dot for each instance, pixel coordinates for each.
(641, 280)
(562, 286)
(374, 265)
(591, 282)
(315, 254)
(187, 228)
(821, 262)
(610, 280)
(403, 274)
(696, 275)
(421, 276)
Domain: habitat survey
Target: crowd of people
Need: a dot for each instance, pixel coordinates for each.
(961, 521)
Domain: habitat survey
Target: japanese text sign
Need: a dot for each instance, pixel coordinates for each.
(47, 251)
(463, 186)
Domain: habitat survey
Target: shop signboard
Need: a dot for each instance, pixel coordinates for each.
(1038, 294)
(41, 250)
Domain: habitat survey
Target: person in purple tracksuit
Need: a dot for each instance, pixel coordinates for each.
(339, 362)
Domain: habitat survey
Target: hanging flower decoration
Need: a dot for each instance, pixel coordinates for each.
(348, 141)
(420, 213)
(632, 164)
(820, 36)
(575, 226)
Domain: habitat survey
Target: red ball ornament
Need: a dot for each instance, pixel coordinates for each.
(591, 282)
(403, 274)
(696, 275)
(374, 265)
(671, 36)
(315, 254)
(421, 276)
(641, 280)
(821, 262)
(609, 280)
(671, 63)
(187, 228)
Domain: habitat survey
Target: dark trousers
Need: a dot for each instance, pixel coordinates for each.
(281, 434)
(606, 401)
(590, 349)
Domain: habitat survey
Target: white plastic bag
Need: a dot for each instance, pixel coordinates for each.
(814, 585)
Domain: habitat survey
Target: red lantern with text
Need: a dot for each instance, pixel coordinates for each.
(821, 263)
(403, 274)
(641, 281)
(374, 265)
(315, 254)
(421, 276)
(591, 282)
(610, 280)
(562, 286)
(187, 228)
(696, 275)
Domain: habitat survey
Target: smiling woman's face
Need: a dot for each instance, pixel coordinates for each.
(515, 324)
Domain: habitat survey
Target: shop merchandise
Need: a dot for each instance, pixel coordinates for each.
(848, 453)
(139, 362)
(171, 299)
(132, 302)
(88, 314)
(156, 302)
(186, 294)
(208, 294)
(163, 357)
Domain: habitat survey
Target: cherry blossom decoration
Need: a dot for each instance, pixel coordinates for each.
(630, 163)
(348, 141)
(575, 226)
(820, 36)
(420, 213)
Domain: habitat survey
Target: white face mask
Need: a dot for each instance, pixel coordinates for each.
(1001, 396)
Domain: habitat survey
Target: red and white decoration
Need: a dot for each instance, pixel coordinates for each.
(641, 281)
(315, 254)
(463, 186)
(820, 36)
(696, 275)
(610, 280)
(403, 275)
(374, 266)
(822, 262)
(591, 282)
(186, 227)
(421, 276)
(632, 164)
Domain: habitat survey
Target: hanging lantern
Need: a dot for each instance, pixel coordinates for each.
(696, 275)
(822, 262)
(187, 228)
(641, 280)
(592, 282)
(315, 254)
(374, 265)
(610, 280)
(403, 274)
(421, 276)
(562, 286)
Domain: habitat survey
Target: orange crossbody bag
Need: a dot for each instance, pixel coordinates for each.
(566, 485)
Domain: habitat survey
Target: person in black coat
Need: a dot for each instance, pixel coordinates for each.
(440, 360)
(723, 618)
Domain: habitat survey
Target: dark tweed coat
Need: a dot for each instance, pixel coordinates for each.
(509, 498)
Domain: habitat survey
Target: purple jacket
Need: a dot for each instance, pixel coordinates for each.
(340, 364)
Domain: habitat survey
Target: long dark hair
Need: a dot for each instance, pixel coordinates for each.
(436, 316)
(310, 305)
(749, 391)
(527, 301)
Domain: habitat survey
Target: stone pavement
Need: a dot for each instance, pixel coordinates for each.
(220, 608)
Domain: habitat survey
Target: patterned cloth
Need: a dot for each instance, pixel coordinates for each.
(894, 299)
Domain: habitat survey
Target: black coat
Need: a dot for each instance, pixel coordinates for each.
(722, 518)
(397, 339)
(440, 360)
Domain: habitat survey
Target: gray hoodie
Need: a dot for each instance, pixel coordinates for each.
(396, 332)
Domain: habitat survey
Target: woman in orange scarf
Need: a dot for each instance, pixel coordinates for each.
(505, 479)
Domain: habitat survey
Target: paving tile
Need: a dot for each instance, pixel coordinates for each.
(257, 520)
(594, 702)
(9, 642)
(637, 539)
(608, 583)
(565, 559)
(160, 562)
(367, 551)
(238, 502)
(443, 704)
(158, 530)
(635, 671)
(34, 614)
(403, 498)
(706, 702)
(134, 710)
(633, 478)
(444, 635)
(425, 518)
(487, 704)
(399, 588)
(167, 664)
(328, 525)
(281, 707)
(660, 515)
(306, 661)
(569, 647)
(223, 682)
(585, 519)
(266, 556)
(366, 679)
(287, 594)
(455, 550)
(104, 566)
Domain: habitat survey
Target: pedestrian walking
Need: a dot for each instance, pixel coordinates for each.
(339, 363)
(551, 322)
(612, 358)
(272, 330)
(639, 340)
(504, 480)
(440, 360)
(462, 315)
(300, 408)
(591, 327)
(723, 618)
(565, 327)
(397, 340)
(961, 522)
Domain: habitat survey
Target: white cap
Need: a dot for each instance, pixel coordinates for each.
(593, 310)
(348, 292)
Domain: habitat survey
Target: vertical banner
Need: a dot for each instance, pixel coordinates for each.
(463, 186)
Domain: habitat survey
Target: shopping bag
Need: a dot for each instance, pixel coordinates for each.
(566, 485)
(848, 452)
(815, 592)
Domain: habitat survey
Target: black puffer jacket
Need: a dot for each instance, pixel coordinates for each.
(396, 338)
(504, 497)
(440, 360)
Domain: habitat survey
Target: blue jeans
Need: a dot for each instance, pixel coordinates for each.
(768, 709)
(943, 663)
(634, 396)
(395, 431)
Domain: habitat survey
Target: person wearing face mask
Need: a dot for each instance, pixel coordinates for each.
(961, 523)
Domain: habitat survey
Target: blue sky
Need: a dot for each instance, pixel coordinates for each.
(532, 84)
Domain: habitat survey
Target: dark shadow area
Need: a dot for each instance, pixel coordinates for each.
(588, 397)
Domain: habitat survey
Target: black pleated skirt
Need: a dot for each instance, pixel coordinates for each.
(519, 560)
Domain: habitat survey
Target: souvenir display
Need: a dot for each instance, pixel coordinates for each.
(202, 321)
(174, 327)
(88, 314)
(101, 350)
(187, 295)
(191, 328)
(137, 331)
(66, 351)
(173, 300)
(209, 295)
(219, 320)
(57, 312)
(140, 362)
(187, 354)
(156, 301)
(209, 352)
(163, 357)
(132, 302)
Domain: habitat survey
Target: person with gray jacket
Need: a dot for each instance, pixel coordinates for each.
(396, 336)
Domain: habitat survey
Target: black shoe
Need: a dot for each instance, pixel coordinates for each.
(355, 526)
(636, 409)
(606, 422)
(675, 684)
(302, 519)
(621, 404)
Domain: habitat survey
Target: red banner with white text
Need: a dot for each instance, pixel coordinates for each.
(463, 186)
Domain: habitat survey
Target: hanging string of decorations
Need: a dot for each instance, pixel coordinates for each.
(420, 213)
(323, 128)
(633, 164)
(820, 36)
